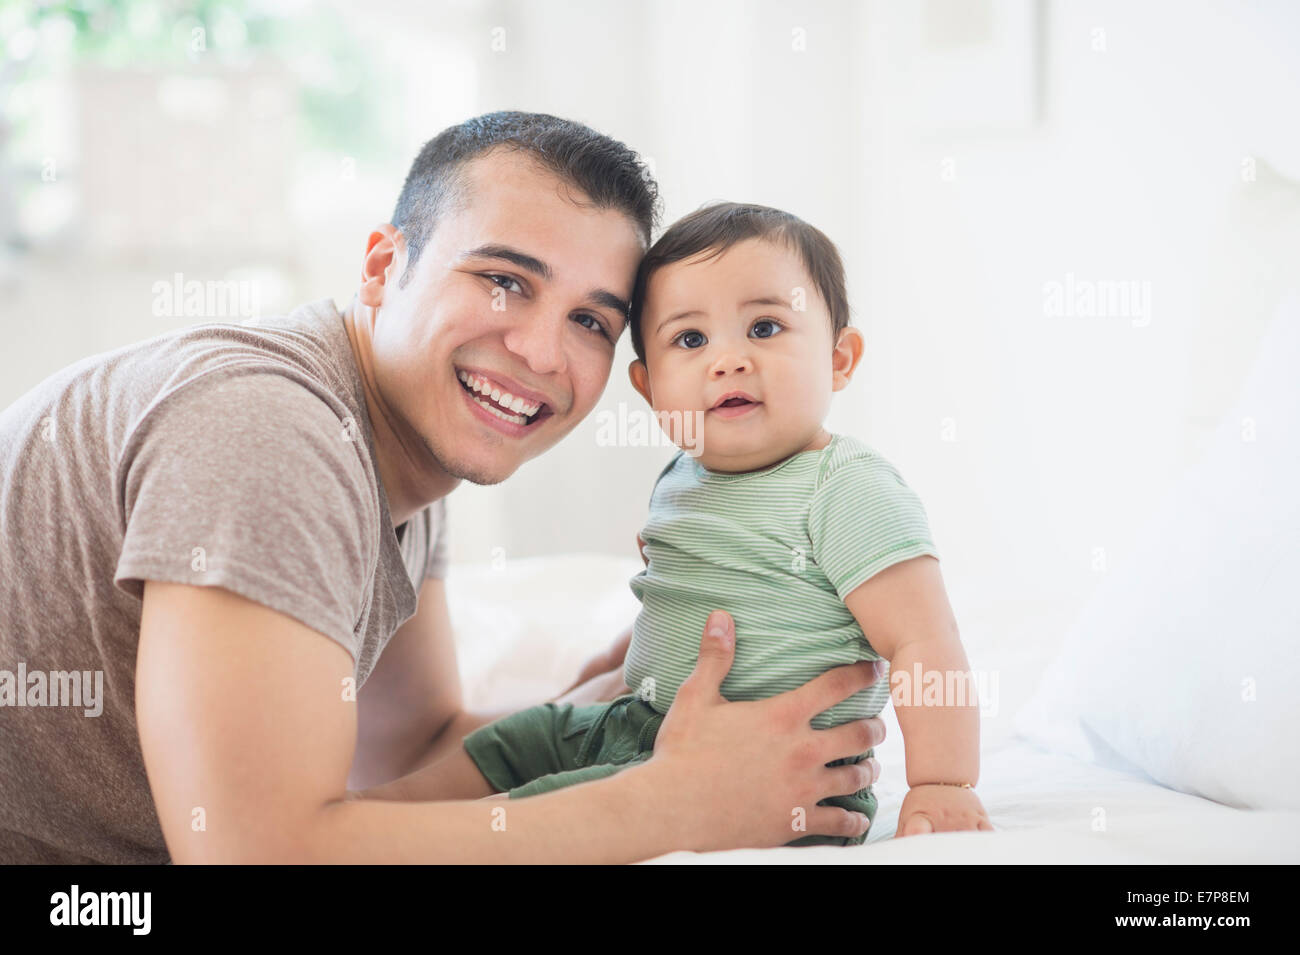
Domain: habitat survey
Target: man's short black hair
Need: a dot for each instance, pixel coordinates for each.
(608, 173)
(717, 227)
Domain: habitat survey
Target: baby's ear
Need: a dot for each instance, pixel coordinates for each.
(845, 356)
(640, 379)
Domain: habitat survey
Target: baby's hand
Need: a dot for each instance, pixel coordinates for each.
(935, 807)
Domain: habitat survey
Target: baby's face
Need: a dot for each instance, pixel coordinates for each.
(748, 322)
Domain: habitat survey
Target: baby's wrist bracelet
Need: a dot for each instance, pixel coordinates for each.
(962, 785)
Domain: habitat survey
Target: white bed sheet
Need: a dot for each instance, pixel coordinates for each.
(525, 627)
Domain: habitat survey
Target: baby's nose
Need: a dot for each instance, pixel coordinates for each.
(730, 363)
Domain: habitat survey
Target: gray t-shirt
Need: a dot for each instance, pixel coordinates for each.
(219, 455)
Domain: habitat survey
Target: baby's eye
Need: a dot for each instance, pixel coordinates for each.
(765, 328)
(689, 339)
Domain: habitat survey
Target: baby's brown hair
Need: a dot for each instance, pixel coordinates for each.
(721, 225)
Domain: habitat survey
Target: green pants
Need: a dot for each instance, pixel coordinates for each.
(554, 745)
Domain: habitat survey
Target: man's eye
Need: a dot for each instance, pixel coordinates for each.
(595, 325)
(765, 323)
(506, 282)
(689, 340)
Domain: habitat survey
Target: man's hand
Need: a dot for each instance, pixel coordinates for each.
(749, 773)
(938, 808)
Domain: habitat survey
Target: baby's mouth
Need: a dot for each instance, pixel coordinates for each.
(734, 408)
(733, 403)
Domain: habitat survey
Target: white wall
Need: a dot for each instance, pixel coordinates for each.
(1068, 429)
(1032, 439)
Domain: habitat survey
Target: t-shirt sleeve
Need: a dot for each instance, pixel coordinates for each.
(436, 565)
(862, 519)
(251, 482)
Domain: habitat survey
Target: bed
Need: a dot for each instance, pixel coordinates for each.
(525, 627)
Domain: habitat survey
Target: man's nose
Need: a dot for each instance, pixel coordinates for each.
(539, 340)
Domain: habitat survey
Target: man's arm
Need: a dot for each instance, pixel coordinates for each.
(410, 711)
(247, 737)
(247, 740)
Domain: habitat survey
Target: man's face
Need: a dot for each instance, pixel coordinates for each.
(519, 294)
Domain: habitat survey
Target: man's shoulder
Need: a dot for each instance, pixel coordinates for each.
(246, 399)
(294, 370)
(265, 463)
(199, 390)
(309, 345)
(249, 401)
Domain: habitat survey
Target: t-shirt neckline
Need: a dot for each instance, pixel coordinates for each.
(721, 477)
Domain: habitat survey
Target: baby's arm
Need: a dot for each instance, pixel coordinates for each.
(905, 615)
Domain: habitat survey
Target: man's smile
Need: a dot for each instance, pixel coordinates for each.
(502, 402)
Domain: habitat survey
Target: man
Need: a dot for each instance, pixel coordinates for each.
(240, 529)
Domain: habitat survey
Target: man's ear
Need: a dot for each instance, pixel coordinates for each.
(383, 265)
(845, 357)
(640, 379)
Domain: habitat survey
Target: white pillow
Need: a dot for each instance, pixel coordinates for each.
(1185, 665)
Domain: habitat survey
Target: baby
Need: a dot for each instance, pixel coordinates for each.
(811, 541)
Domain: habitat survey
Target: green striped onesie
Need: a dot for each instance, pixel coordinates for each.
(779, 549)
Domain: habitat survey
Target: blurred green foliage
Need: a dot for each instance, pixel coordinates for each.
(336, 78)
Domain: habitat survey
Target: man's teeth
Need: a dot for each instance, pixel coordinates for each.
(500, 403)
